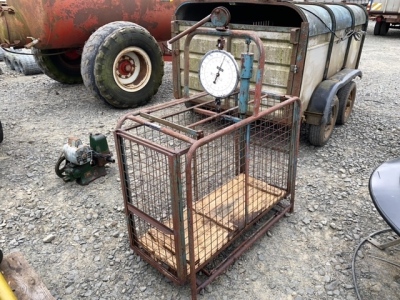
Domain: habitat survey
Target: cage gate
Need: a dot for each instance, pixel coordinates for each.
(202, 183)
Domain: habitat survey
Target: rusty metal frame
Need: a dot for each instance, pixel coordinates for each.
(183, 213)
(181, 276)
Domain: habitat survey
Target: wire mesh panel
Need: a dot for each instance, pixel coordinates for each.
(195, 179)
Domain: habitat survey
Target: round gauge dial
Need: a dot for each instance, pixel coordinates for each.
(219, 73)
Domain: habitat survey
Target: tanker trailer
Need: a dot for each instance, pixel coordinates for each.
(113, 47)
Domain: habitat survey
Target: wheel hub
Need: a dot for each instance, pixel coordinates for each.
(132, 69)
(125, 67)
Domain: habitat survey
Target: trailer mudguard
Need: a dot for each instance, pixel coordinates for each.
(320, 103)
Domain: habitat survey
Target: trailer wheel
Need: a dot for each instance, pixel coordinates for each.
(8, 58)
(7, 61)
(320, 134)
(62, 65)
(28, 65)
(15, 60)
(384, 28)
(377, 28)
(2, 54)
(128, 68)
(90, 51)
(347, 97)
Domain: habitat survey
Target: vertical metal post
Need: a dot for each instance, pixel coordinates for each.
(174, 164)
(244, 138)
(245, 76)
(125, 186)
(293, 151)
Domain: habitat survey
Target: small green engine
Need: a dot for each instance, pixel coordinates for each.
(82, 162)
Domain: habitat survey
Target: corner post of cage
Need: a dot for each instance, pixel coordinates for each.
(119, 147)
(177, 215)
(294, 149)
(189, 205)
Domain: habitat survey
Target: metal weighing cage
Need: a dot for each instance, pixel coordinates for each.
(202, 183)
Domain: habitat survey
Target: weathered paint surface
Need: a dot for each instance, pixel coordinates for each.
(69, 23)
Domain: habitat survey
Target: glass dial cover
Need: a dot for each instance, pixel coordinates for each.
(219, 73)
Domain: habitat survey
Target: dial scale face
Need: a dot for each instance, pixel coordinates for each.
(219, 73)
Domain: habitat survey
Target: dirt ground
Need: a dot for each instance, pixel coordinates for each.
(75, 236)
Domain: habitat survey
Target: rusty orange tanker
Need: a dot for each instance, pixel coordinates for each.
(112, 46)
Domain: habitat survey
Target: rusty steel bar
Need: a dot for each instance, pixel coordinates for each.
(246, 141)
(177, 216)
(123, 173)
(162, 129)
(159, 107)
(142, 141)
(214, 114)
(189, 30)
(296, 121)
(132, 209)
(212, 117)
(195, 133)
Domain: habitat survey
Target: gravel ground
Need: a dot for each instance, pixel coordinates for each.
(75, 236)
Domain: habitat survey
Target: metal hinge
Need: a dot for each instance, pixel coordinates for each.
(293, 68)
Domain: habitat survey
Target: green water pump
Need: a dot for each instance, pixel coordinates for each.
(84, 163)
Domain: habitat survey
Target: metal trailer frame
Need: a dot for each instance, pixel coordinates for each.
(200, 186)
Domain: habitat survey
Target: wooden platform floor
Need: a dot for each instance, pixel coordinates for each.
(216, 219)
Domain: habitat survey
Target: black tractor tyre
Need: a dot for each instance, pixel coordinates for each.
(2, 54)
(384, 28)
(62, 65)
(8, 59)
(320, 134)
(347, 97)
(28, 65)
(90, 51)
(1, 132)
(377, 28)
(17, 64)
(128, 67)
